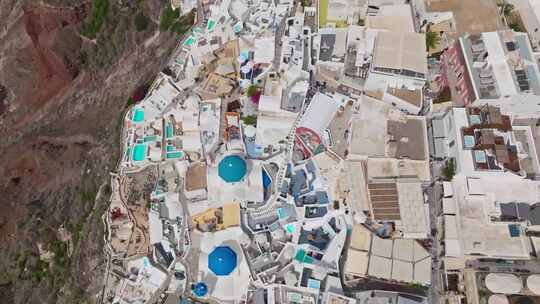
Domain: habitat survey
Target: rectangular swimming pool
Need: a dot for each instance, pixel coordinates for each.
(138, 115)
(150, 138)
(168, 131)
(190, 41)
(139, 152)
(178, 154)
(468, 141)
(211, 25)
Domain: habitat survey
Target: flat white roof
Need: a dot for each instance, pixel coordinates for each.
(380, 267)
(368, 130)
(402, 271)
(264, 50)
(411, 209)
(422, 271)
(476, 233)
(447, 189)
(391, 23)
(155, 227)
(319, 113)
(498, 61)
(272, 129)
(449, 205)
(357, 262)
(401, 51)
(403, 250)
(381, 247)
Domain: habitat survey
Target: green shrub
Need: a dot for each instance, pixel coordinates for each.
(432, 40)
(96, 18)
(250, 120)
(60, 250)
(168, 18)
(450, 170)
(88, 196)
(130, 102)
(252, 90)
(141, 22)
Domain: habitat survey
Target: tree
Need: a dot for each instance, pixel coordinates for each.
(95, 19)
(250, 120)
(168, 18)
(507, 9)
(450, 170)
(252, 90)
(141, 22)
(432, 40)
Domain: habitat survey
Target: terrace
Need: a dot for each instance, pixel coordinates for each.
(490, 141)
(500, 64)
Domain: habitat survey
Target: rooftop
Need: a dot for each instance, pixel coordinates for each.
(399, 260)
(400, 53)
(196, 177)
(380, 131)
(501, 64)
(466, 14)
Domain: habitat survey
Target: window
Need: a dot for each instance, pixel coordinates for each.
(452, 143)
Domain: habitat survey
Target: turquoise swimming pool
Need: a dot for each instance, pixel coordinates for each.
(178, 154)
(291, 228)
(139, 152)
(237, 28)
(190, 41)
(281, 214)
(468, 141)
(138, 115)
(211, 25)
(168, 131)
(150, 138)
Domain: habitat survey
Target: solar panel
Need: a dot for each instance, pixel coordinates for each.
(384, 201)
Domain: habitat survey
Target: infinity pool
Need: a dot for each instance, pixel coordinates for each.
(138, 115)
(139, 152)
(178, 154)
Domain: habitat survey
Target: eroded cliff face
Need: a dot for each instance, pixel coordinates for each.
(61, 101)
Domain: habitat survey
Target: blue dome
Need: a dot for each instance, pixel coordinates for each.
(222, 260)
(232, 168)
(200, 289)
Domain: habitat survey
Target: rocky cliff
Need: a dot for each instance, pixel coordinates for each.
(67, 68)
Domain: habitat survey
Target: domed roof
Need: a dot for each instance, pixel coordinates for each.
(232, 168)
(200, 289)
(222, 260)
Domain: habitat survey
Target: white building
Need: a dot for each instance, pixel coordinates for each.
(500, 64)
(494, 152)
(390, 149)
(529, 11)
